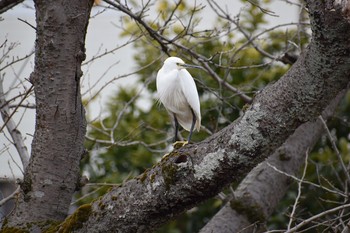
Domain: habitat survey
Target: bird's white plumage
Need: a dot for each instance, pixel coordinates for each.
(178, 92)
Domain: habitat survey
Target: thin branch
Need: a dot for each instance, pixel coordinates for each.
(13, 112)
(299, 192)
(129, 143)
(246, 98)
(131, 40)
(263, 10)
(335, 148)
(103, 184)
(307, 182)
(117, 78)
(9, 197)
(17, 60)
(30, 106)
(309, 220)
(12, 128)
(25, 21)
(86, 195)
(170, 16)
(8, 101)
(138, 19)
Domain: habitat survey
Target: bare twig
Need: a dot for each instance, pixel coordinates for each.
(130, 143)
(17, 60)
(246, 98)
(25, 21)
(102, 184)
(263, 10)
(313, 218)
(86, 195)
(307, 182)
(12, 128)
(138, 19)
(13, 112)
(335, 148)
(9, 197)
(299, 192)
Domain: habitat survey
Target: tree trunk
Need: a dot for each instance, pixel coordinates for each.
(53, 172)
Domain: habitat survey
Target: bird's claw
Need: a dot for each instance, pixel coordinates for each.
(166, 155)
(179, 144)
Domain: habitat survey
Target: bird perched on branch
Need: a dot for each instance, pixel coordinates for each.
(178, 93)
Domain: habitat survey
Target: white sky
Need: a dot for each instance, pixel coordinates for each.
(102, 35)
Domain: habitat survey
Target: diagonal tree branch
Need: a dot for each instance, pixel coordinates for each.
(261, 190)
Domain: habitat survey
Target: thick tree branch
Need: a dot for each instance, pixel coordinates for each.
(196, 172)
(262, 189)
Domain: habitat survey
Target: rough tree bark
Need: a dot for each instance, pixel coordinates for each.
(53, 172)
(259, 193)
(196, 172)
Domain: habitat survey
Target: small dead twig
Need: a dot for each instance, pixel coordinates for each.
(299, 192)
(335, 148)
(9, 197)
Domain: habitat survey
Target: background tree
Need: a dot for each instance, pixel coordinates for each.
(132, 138)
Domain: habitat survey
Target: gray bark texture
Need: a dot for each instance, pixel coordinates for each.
(197, 172)
(259, 193)
(53, 171)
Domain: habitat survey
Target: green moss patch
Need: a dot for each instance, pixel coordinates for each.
(76, 220)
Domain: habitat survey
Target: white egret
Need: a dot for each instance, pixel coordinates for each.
(178, 93)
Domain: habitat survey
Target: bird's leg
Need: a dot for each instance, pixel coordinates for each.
(177, 144)
(176, 128)
(194, 119)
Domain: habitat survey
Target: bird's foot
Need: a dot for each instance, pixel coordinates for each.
(179, 144)
(166, 155)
